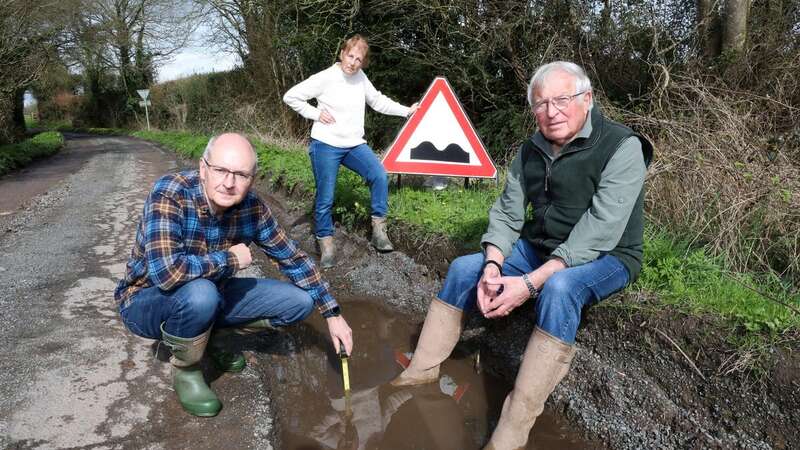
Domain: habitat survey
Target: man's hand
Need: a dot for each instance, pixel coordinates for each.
(326, 117)
(340, 332)
(487, 291)
(243, 255)
(412, 109)
(515, 293)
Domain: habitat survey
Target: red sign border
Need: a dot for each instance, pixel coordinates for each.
(486, 169)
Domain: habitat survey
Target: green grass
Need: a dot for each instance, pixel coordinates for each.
(680, 276)
(92, 130)
(52, 125)
(30, 121)
(693, 281)
(15, 156)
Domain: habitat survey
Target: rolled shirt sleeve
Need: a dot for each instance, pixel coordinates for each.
(294, 263)
(602, 225)
(507, 214)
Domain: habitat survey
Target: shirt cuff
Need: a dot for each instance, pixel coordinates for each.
(231, 260)
(504, 245)
(335, 311)
(562, 254)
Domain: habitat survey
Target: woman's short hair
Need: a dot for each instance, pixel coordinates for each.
(357, 40)
(582, 82)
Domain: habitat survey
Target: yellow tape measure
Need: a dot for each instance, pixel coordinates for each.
(345, 369)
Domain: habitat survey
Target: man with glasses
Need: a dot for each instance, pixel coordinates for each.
(582, 175)
(194, 235)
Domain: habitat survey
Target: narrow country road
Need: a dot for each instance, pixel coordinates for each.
(71, 376)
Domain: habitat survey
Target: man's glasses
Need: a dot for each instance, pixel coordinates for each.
(560, 102)
(222, 173)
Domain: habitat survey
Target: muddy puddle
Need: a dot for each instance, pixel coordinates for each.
(457, 413)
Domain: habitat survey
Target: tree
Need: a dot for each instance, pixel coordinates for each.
(26, 32)
(722, 27)
(117, 45)
(735, 35)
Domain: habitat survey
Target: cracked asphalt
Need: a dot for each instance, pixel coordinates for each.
(71, 376)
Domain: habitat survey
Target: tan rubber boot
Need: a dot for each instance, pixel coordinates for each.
(380, 240)
(544, 364)
(439, 336)
(327, 251)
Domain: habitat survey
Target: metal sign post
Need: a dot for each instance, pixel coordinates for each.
(144, 93)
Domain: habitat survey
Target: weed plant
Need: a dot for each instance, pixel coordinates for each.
(696, 282)
(681, 275)
(15, 156)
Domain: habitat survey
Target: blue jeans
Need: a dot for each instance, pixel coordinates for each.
(325, 161)
(193, 308)
(558, 307)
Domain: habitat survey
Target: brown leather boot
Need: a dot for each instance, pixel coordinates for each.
(544, 364)
(327, 252)
(380, 240)
(439, 336)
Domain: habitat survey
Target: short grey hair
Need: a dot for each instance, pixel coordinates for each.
(209, 146)
(213, 140)
(582, 82)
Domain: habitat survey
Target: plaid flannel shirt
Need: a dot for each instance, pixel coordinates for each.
(179, 240)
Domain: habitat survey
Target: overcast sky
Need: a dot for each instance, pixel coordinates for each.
(194, 60)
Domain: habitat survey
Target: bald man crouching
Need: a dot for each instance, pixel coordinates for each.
(193, 237)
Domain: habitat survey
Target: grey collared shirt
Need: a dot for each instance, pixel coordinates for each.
(601, 226)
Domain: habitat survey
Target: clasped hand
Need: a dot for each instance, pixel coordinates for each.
(499, 295)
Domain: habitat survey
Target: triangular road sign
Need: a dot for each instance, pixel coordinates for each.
(439, 139)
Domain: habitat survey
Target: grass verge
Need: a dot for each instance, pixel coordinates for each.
(752, 305)
(15, 156)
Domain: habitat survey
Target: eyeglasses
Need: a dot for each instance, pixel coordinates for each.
(560, 102)
(222, 173)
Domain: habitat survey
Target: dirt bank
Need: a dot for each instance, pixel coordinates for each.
(645, 376)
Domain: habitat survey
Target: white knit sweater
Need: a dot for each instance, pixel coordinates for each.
(343, 96)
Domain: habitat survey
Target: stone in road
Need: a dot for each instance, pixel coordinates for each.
(71, 375)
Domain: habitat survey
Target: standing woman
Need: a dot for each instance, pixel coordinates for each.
(337, 137)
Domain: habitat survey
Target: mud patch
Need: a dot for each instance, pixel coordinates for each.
(315, 412)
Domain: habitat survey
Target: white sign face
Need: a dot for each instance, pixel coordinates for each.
(439, 139)
(144, 93)
(144, 103)
(440, 128)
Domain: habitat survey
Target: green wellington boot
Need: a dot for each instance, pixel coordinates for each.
(228, 361)
(187, 378)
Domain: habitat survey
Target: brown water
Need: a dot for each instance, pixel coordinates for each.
(457, 413)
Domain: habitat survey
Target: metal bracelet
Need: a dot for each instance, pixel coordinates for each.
(531, 289)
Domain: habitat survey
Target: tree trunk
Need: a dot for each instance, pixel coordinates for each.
(735, 33)
(709, 30)
(12, 117)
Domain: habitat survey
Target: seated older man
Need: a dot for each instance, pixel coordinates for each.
(194, 235)
(583, 176)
